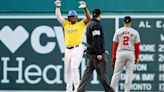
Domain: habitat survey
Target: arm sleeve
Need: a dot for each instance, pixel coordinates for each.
(137, 45)
(97, 38)
(137, 50)
(58, 15)
(114, 50)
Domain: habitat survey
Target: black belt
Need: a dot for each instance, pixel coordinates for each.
(72, 47)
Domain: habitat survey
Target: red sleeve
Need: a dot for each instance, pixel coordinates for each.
(115, 45)
(137, 50)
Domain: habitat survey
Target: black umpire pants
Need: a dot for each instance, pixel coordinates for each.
(100, 67)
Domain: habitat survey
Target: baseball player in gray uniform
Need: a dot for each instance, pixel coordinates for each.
(125, 52)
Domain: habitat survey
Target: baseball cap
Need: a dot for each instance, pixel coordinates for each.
(127, 19)
(72, 13)
(96, 12)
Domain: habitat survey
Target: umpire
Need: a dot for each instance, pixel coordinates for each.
(95, 53)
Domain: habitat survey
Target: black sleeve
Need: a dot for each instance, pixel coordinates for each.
(97, 35)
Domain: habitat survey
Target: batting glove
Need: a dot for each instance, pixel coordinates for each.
(57, 3)
(82, 4)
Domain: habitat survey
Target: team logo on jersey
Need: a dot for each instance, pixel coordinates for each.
(71, 31)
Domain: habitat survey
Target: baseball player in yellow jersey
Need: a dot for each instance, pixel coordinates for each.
(73, 31)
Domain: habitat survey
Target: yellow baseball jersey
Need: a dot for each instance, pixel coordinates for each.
(73, 32)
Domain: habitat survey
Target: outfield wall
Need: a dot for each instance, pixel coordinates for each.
(32, 51)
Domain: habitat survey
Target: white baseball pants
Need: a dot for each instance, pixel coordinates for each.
(73, 58)
(123, 58)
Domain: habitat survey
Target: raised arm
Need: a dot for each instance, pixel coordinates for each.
(60, 18)
(87, 14)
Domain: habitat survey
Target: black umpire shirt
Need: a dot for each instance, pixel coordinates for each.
(95, 38)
